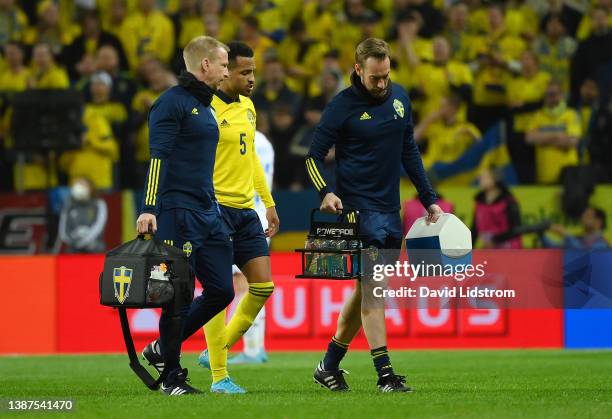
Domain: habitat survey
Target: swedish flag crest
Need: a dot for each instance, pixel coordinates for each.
(399, 107)
(122, 279)
(251, 117)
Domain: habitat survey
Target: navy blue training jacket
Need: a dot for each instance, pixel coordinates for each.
(373, 140)
(183, 138)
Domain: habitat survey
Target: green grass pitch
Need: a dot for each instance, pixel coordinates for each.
(456, 384)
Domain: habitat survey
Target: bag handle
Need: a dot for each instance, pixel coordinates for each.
(135, 365)
(346, 212)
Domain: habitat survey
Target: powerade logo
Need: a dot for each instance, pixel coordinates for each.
(334, 231)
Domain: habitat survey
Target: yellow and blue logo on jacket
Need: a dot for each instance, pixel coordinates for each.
(399, 107)
(122, 279)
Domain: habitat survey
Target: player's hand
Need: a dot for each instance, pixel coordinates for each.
(331, 203)
(146, 223)
(433, 213)
(273, 221)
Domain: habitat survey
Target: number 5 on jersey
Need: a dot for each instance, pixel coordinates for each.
(243, 144)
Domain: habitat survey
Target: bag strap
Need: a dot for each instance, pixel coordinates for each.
(135, 365)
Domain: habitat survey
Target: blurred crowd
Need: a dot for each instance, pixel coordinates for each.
(543, 67)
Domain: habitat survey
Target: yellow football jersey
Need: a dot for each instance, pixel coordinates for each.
(238, 172)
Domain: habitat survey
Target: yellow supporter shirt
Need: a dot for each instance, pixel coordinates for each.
(54, 78)
(142, 135)
(346, 34)
(508, 46)
(404, 73)
(191, 27)
(230, 22)
(104, 7)
(152, 34)
(260, 49)
(238, 172)
(311, 63)
(526, 90)
(271, 18)
(319, 23)
(478, 20)
(95, 160)
(447, 143)
(14, 82)
(462, 45)
(490, 86)
(522, 19)
(291, 8)
(436, 80)
(551, 160)
(113, 112)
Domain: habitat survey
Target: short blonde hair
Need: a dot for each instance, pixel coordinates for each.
(371, 47)
(199, 48)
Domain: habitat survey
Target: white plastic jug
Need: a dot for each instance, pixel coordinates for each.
(447, 241)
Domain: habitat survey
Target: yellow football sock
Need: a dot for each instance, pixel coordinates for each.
(216, 338)
(247, 310)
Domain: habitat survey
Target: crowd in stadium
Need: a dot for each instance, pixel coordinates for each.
(542, 67)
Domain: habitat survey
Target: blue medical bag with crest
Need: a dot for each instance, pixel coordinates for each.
(145, 273)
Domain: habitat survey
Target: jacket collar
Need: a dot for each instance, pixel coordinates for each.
(360, 90)
(227, 99)
(200, 90)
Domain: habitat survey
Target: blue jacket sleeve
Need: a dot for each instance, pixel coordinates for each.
(326, 135)
(413, 165)
(164, 126)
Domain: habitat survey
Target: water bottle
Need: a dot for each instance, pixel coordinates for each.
(355, 245)
(340, 260)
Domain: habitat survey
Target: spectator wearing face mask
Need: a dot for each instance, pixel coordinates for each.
(83, 219)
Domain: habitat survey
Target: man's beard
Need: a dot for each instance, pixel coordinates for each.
(379, 92)
(376, 92)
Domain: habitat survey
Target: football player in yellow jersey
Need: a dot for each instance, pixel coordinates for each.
(238, 175)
